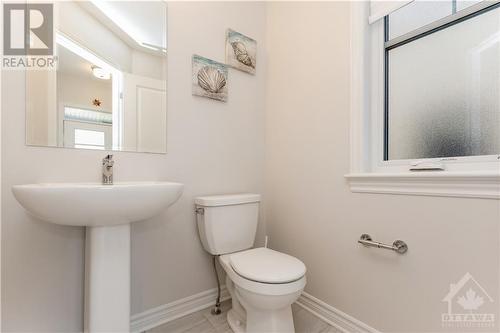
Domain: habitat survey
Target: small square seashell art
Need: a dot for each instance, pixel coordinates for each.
(209, 78)
(241, 51)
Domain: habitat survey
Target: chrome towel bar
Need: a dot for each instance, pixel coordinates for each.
(398, 246)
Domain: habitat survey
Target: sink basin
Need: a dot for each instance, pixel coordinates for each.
(81, 204)
(106, 211)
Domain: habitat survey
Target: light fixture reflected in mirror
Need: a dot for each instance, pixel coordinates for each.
(101, 73)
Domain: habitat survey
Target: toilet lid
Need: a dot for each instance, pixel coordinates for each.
(267, 266)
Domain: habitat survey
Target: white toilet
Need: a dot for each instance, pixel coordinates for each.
(263, 283)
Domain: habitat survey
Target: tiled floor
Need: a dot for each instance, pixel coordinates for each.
(204, 322)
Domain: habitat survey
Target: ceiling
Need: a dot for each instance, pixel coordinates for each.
(72, 64)
(139, 23)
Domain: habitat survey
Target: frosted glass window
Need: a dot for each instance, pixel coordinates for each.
(89, 139)
(444, 92)
(417, 14)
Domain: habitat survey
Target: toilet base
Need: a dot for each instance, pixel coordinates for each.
(277, 321)
(236, 323)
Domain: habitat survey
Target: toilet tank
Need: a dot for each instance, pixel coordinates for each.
(227, 223)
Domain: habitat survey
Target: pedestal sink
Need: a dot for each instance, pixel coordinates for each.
(106, 211)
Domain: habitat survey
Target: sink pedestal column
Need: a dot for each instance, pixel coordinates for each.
(107, 279)
(106, 211)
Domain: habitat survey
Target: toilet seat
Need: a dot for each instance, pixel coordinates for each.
(267, 266)
(263, 288)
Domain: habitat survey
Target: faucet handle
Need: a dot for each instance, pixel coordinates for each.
(108, 160)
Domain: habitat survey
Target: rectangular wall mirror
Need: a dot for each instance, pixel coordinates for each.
(106, 93)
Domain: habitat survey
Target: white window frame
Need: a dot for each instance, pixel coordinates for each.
(471, 176)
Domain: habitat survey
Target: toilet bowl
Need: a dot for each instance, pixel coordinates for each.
(263, 283)
(262, 297)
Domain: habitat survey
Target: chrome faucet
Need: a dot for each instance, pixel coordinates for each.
(107, 170)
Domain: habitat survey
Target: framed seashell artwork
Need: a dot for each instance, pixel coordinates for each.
(241, 51)
(209, 78)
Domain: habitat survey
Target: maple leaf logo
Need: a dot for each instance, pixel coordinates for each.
(471, 301)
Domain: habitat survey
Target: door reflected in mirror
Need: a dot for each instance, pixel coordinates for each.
(109, 89)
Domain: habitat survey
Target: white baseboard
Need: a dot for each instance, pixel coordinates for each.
(333, 316)
(165, 313)
(168, 312)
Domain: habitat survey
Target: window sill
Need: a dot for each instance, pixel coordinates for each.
(485, 185)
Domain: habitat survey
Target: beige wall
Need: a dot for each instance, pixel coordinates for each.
(311, 213)
(41, 108)
(213, 147)
(149, 65)
(79, 91)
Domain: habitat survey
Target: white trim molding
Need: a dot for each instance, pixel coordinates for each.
(359, 53)
(167, 312)
(442, 184)
(381, 8)
(333, 316)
